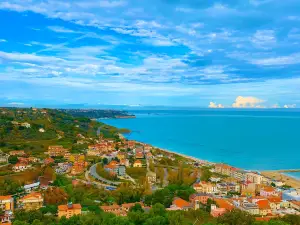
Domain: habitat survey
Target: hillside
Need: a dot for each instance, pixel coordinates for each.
(98, 113)
(34, 129)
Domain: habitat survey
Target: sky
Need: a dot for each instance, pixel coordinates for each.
(225, 53)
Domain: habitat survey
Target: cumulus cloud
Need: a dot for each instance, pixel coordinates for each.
(247, 102)
(215, 105)
(3, 40)
(16, 103)
(292, 106)
(275, 106)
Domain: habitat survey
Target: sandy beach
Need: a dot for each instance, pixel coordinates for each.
(279, 176)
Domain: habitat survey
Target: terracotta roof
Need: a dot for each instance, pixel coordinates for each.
(138, 161)
(263, 204)
(268, 189)
(222, 203)
(66, 207)
(179, 202)
(109, 207)
(32, 195)
(274, 199)
(5, 197)
(296, 203)
(129, 205)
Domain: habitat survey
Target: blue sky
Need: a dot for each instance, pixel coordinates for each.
(225, 53)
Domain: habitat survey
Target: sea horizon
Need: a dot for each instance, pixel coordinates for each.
(241, 138)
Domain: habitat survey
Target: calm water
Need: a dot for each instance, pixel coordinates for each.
(245, 139)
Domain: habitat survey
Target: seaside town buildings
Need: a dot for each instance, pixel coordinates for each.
(32, 201)
(69, 210)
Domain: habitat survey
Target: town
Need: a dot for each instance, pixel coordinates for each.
(49, 174)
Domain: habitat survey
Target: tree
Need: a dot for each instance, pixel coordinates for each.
(176, 218)
(104, 161)
(55, 196)
(13, 159)
(156, 220)
(136, 208)
(205, 174)
(158, 210)
(236, 217)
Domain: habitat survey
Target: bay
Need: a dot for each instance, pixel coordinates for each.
(248, 139)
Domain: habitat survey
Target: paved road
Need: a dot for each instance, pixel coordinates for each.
(94, 173)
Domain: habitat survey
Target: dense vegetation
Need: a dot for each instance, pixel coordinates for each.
(137, 216)
(47, 127)
(97, 113)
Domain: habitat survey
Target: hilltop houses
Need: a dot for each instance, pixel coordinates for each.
(32, 201)
(57, 150)
(69, 210)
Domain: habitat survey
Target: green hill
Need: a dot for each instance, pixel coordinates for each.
(35, 129)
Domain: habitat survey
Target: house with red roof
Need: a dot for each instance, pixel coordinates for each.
(267, 191)
(69, 210)
(181, 204)
(137, 163)
(264, 207)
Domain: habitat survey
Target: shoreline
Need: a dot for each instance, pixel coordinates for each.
(287, 179)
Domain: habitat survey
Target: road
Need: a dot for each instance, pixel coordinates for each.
(93, 173)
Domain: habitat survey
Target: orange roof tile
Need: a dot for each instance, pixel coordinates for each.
(179, 202)
(66, 207)
(222, 203)
(5, 197)
(268, 189)
(263, 204)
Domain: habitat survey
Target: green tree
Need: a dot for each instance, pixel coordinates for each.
(236, 217)
(13, 159)
(157, 220)
(176, 218)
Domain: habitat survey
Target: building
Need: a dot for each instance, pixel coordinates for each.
(223, 203)
(115, 209)
(32, 201)
(139, 155)
(251, 208)
(137, 163)
(181, 204)
(3, 157)
(151, 177)
(77, 168)
(216, 212)
(69, 210)
(17, 153)
(19, 167)
(264, 207)
(127, 206)
(121, 170)
(254, 178)
(267, 191)
(124, 162)
(30, 187)
(7, 203)
(48, 161)
(121, 155)
(223, 169)
(198, 199)
(75, 157)
(205, 187)
(56, 150)
(295, 205)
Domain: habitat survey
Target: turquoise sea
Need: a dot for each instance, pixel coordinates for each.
(261, 139)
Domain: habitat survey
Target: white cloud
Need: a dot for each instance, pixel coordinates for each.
(101, 4)
(215, 105)
(16, 103)
(264, 39)
(28, 57)
(277, 61)
(58, 29)
(275, 106)
(184, 10)
(247, 102)
(292, 106)
(3, 40)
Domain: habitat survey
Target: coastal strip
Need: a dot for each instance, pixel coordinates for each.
(288, 180)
